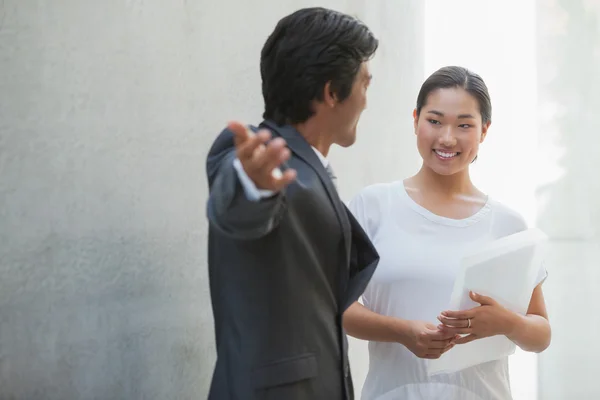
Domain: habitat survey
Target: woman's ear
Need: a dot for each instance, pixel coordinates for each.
(484, 130)
(415, 120)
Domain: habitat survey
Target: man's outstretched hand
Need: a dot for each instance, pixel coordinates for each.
(261, 160)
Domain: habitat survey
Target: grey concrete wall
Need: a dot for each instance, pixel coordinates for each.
(107, 109)
(103, 292)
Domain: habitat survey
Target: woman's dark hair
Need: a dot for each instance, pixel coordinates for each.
(449, 77)
(306, 50)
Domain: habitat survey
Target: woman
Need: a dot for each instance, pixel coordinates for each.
(421, 227)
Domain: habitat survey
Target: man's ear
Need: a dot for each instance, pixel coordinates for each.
(415, 120)
(329, 97)
(484, 130)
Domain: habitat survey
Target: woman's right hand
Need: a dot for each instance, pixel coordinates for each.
(425, 340)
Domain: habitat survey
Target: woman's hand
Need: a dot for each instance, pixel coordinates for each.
(488, 319)
(426, 341)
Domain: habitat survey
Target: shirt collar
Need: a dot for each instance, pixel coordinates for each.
(322, 158)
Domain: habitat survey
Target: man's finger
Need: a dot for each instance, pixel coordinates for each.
(240, 132)
(246, 149)
(287, 177)
(274, 155)
(267, 164)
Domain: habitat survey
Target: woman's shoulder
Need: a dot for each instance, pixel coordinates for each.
(372, 202)
(506, 220)
(377, 191)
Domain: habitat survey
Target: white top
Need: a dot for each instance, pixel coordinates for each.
(420, 257)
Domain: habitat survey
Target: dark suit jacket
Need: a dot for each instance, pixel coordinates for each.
(282, 272)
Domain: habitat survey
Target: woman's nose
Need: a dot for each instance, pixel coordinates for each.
(447, 137)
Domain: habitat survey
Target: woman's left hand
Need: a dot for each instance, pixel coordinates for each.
(488, 319)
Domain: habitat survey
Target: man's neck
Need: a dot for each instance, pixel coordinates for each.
(315, 136)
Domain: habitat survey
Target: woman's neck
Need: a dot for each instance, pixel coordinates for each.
(450, 185)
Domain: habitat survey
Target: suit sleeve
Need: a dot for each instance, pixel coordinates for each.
(229, 209)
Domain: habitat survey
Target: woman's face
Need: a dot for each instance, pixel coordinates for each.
(449, 130)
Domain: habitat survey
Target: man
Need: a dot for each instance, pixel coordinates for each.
(286, 258)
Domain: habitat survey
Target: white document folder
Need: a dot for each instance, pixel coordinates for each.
(505, 270)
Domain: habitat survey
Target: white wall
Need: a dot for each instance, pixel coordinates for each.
(107, 110)
(568, 47)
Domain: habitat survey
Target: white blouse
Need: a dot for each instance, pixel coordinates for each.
(420, 255)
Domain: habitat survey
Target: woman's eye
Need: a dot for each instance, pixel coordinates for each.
(465, 126)
(433, 121)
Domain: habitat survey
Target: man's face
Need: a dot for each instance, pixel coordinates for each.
(346, 114)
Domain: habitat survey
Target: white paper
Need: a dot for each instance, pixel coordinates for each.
(504, 269)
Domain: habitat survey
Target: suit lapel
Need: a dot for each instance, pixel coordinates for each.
(300, 147)
(363, 261)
